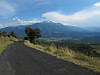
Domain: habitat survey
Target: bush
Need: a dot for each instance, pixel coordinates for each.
(59, 52)
(84, 48)
(47, 49)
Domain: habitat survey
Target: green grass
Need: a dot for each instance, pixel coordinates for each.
(3, 46)
(5, 41)
(92, 63)
(97, 46)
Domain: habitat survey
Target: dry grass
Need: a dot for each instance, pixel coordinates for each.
(4, 41)
(92, 63)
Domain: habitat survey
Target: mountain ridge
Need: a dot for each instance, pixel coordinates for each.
(51, 29)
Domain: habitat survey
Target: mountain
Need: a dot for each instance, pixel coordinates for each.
(93, 29)
(51, 29)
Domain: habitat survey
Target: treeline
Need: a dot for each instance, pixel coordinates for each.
(5, 34)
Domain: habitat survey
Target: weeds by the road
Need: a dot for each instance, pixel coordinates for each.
(5, 41)
(92, 63)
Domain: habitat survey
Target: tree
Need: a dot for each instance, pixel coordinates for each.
(4, 34)
(8, 35)
(0, 33)
(32, 34)
(13, 34)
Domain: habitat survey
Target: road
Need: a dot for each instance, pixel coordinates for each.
(18, 59)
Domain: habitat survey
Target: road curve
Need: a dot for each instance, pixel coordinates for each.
(18, 59)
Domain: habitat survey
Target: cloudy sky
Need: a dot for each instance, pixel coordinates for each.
(67, 12)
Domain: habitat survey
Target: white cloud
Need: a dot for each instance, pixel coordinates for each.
(18, 21)
(27, 22)
(56, 17)
(21, 22)
(89, 16)
(15, 18)
(97, 4)
(1, 26)
(6, 9)
(84, 17)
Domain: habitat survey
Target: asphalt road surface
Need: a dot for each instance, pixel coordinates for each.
(18, 59)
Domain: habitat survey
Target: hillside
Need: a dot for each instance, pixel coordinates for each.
(93, 29)
(4, 41)
(50, 29)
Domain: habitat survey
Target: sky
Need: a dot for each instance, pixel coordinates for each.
(82, 13)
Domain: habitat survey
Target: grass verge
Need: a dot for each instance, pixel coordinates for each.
(5, 41)
(92, 63)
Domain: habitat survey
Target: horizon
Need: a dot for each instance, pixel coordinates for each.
(73, 13)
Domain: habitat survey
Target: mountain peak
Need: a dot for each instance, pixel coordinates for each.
(48, 29)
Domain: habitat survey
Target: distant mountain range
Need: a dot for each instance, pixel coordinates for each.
(93, 29)
(51, 29)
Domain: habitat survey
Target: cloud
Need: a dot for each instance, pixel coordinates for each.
(1, 26)
(6, 9)
(18, 21)
(15, 18)
(27, 22)
(88, 16)
(21, 22)
(97, 4)
(56, 17)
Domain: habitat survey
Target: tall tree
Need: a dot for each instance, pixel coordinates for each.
(12, 33)
(32, 34)
(4, 34)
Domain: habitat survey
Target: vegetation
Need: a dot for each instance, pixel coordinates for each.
(0, 33)
(4, 34)
(75, 53)
(32, 34)
(5, 40)
(13, 34)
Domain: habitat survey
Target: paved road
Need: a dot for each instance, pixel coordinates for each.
(18, 59)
